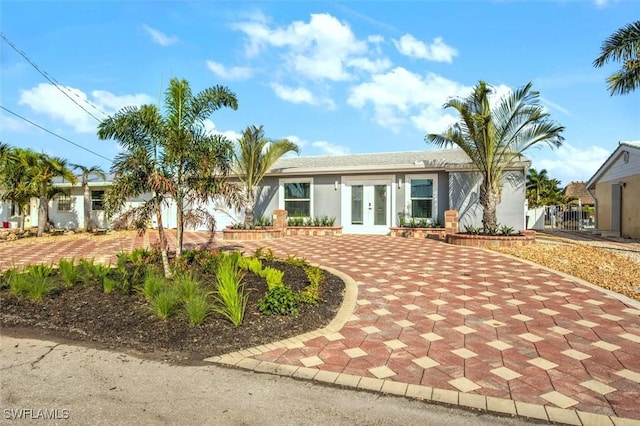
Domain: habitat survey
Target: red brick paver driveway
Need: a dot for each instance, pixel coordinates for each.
(466, 323)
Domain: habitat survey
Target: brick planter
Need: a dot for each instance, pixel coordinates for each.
(250, 234)
(314, 230)
(517, 240)
(271, 232)
(406, 232)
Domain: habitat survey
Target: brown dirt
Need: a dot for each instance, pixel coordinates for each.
(88, 316)
(604, 267)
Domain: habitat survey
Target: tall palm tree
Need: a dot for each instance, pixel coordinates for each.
(16, 178)
(624, 46)
(43, 169)
(184, 131)
(254, 157)
(86, 172)
(139, 169)
(495, 136)
(536, 182)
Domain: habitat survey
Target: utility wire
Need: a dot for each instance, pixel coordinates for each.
(53, 81)
(55, 134)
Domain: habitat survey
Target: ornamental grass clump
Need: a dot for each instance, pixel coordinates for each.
(230, 299)
(165, 303)
(153, 284)
(312, 293)
(187, 287)
(69, 272)
(197, 309)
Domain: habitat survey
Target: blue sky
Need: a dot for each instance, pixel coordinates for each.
(334, 77)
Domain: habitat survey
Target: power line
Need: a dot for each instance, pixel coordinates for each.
(53, 81)
(55, 134)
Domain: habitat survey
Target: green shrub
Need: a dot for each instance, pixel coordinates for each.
(492, 230)
(252, 264)
(86, 270)
(279, 300)
(18, 284)
(165, 303)
(311, 294)
(99, 274)
(230, 299)
(187, 287)
(154, 283)
(109, 284)
(261, 253)
(273, 276)
(263, 222)
(473, 230)
(39, 270)
(300, 262)
(506, 230)
(69, 272)
(327, 221)
(38, 288)
(197, 309)
(208, 260)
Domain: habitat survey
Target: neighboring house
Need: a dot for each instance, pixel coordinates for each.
(616, 189)
(577, 193)
(367, 193)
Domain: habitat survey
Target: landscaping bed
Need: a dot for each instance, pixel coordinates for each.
(87, 315)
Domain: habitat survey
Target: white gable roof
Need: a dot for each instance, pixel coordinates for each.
(623, 161)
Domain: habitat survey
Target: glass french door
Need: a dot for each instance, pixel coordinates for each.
(369, 207)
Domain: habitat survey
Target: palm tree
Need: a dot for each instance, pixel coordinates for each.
(86, 172)
(536, 182)
(183, 133)
(139, 169)
(42, 170)
(254, 157)
(495, 136)
(624, 46)
(16, 178)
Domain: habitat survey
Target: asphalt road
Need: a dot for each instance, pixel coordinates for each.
(92, 387)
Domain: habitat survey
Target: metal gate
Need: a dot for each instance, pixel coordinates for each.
(569, 217)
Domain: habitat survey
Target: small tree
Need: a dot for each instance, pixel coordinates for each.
(495, 136)
(254, 157)
(86, 172)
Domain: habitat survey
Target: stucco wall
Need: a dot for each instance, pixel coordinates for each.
(630, 206)
(464, 195)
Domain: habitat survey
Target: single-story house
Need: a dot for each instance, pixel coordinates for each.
(616, 189)
(365, 193)
(368, 193)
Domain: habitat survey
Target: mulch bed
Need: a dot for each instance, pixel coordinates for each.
(88, 316)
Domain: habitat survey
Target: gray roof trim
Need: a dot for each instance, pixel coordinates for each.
(410, 161)
(591, 183)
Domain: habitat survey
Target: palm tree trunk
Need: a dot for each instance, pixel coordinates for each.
(87, 208)
(489, 202)
(42, 215)
(163, 240)
(249, 216)
(23, 217)
(180, 222)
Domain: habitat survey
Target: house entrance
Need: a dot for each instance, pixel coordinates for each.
(367, 207)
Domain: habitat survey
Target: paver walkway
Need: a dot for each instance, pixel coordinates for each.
(453, 324)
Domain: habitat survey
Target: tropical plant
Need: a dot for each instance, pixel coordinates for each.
(197, 309)
(187, 287)
(86, 173)
(279, 300)
(494, 136)
(254, 157)
(165, 303)
(536, 183)
(176, 155)
(16, 177)
(623, 46)
(152, 286)
(230, 299)
(273, 277)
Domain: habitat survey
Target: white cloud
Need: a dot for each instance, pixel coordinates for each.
(299, 95)
(210, 127)
(437, 51)
(327, 148)
(400, 96)
(322, 49)
(233, 73)
(47, 99)
(12, 124)
(160, 38)
(568, 163)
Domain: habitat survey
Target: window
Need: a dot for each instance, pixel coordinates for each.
(96, 200)
(64, 203)
(296, 197)
(421, 197)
